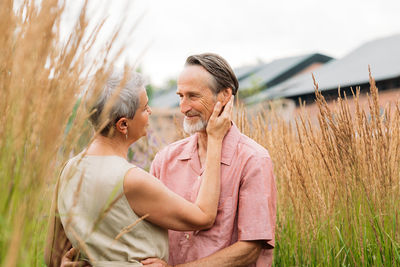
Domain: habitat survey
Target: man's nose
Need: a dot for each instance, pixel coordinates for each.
(184, 105)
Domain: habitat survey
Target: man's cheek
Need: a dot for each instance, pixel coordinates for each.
(208, 107)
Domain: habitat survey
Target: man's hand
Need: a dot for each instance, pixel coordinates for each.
(241, 253)
(155, 262)
(68, 260)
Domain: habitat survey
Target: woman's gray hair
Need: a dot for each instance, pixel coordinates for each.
(119, 98)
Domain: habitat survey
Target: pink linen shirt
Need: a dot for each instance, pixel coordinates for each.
(247, 205)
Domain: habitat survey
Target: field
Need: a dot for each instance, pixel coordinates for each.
(338, 179)
(338, 183)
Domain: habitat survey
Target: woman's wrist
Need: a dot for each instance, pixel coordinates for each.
(214, 144)
(215, 139)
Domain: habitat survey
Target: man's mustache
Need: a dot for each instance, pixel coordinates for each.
(192, 113)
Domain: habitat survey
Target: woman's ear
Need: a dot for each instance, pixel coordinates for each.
(122, 125)
(224, 96)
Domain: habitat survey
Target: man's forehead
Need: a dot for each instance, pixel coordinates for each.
(200, 90)
(194, 73)
(194, 79)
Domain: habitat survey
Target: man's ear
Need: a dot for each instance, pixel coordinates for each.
(224, 96)
(122, 125)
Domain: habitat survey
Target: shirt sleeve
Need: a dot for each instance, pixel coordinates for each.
(155, 166)
(257, 202)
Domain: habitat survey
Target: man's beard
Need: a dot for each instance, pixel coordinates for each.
(192, 128)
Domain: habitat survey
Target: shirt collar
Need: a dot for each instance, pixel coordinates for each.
(229, 146)
(189, 148)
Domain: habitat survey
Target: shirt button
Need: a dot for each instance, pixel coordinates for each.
(198, 177)
(187, 236)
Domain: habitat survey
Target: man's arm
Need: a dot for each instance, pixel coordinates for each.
(57, 243)
(241, 253)
(68, 260)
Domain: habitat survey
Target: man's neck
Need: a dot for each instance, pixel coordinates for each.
(202, 146)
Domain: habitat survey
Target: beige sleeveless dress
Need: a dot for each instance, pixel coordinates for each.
(94, 210)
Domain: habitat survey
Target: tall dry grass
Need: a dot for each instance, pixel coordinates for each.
(41, 79)
(338, 182)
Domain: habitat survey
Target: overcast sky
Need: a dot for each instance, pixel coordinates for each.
(247, 31)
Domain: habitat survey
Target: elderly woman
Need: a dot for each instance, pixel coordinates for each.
(101, 195)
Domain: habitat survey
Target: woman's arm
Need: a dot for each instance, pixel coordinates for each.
(147, 195)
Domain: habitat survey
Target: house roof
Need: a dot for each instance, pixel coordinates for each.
(382, 55)
(245, 71)
(270, 74)
(167, 99)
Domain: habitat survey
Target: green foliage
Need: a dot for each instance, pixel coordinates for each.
(150, 91)
(255, 88)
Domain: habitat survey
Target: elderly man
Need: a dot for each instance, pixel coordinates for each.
(243, 233)
(244, 230)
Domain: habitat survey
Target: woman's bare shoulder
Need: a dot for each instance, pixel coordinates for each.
(137, 179)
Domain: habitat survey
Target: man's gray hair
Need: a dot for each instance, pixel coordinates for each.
(119, 98)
